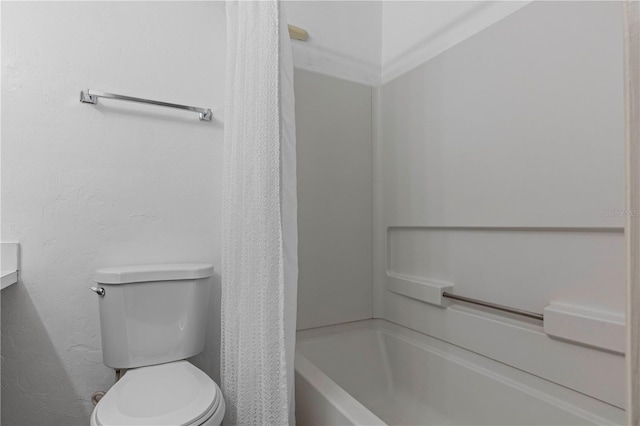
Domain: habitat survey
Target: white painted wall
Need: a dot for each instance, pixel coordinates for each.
(333, 125)
(344, 38)
(495, 166)
(89, 186)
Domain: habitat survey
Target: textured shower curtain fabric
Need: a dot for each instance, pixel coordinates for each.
(259, 266)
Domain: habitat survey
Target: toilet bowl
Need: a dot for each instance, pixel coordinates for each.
(176, 393)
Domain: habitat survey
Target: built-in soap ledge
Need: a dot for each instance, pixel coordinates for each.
(429, 291)
(9, 264)
(570, 322)
(588, 326)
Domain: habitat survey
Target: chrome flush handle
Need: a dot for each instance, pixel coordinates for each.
(98, 290)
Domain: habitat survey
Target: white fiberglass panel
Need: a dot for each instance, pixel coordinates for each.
(405, 377)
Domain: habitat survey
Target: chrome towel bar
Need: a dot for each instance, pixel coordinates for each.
(495, 306)
(91, 97)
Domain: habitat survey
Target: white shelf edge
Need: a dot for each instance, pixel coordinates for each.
(9, 258)
(585, 325)
(8, 278)
(429, 291)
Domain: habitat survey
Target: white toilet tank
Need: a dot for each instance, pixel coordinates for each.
(152, 314)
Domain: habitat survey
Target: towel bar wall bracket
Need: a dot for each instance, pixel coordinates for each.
(91, 97)
(86, 98)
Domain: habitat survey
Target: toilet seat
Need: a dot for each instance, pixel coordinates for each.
(176, 393)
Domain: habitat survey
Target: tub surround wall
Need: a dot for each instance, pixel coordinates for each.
(88, 186)
(498, 167)
(333, 124)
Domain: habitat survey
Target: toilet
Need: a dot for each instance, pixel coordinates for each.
(153, 317)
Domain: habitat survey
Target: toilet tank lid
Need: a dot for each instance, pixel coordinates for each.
(161, 272)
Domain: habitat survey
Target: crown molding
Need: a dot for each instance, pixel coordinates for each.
(436, 43)
(311, 57)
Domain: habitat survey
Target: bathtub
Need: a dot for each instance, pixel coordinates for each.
(375, 372)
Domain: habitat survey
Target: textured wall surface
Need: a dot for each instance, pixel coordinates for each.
(90, 186)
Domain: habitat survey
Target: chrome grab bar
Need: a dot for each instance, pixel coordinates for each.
(91, 97)
(495, 306)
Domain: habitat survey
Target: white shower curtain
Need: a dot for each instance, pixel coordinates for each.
(259, 268)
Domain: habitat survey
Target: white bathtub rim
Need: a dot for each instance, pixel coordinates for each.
(581, 405)
(339, 398)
